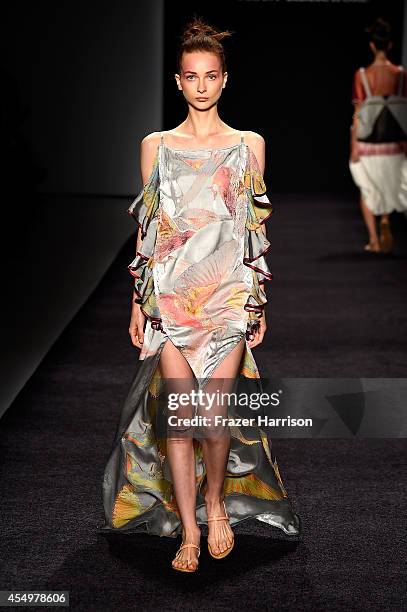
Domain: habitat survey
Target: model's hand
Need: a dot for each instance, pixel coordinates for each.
(258, 334)
(136, 328)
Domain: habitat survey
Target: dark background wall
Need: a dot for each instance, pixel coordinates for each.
(82, 85)
(89, 78)
(290, 70)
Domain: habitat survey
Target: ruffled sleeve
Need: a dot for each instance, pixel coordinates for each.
(259, 209)
(144, 210)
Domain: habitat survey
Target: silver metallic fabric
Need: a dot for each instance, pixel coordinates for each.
(199, 279)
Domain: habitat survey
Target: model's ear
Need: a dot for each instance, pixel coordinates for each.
(225, 78)
(178, 81)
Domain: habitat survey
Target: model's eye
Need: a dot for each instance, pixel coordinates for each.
(190, 75)
(212, 75)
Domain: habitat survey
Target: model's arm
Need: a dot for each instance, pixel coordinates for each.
(148, 149)
(358, 96)
(353, 141)
(404, 94)
(257, 144)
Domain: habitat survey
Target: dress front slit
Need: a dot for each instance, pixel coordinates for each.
(199, 280)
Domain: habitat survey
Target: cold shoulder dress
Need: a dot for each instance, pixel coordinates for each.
(199, 279)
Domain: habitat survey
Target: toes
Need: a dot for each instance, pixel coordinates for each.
(184, 563)
(215, 547)
(223, 539)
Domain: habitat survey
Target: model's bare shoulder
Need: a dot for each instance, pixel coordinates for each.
(148, 149)
(150, 142)
(257, 144)
(253, 138)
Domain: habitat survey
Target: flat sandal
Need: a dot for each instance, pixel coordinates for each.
(370, 247)
(227, 551)
(188, 559)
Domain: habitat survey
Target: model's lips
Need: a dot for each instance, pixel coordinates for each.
(201, 99)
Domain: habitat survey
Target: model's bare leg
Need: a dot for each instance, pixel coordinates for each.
(386, 237)
(216, 446)
(370, 221)
(180, 451)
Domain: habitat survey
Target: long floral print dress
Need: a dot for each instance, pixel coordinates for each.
(199, 279)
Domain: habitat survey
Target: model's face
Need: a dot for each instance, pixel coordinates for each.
(201, 77)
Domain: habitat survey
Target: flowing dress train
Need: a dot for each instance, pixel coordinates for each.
(199, 278)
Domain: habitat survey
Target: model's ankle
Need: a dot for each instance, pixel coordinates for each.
(214, 499)
(191, 531)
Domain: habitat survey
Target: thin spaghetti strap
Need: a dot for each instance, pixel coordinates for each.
(241, 137)
(365, 82)
(161, 140)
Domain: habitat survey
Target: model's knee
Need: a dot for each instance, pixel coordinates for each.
(178, 440)
(215, 434)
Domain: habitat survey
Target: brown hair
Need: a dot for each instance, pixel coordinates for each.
(200, 36)
(379, 33)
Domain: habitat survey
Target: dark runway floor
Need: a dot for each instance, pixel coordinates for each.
(336, 312)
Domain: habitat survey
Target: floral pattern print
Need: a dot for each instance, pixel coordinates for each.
(199, 279)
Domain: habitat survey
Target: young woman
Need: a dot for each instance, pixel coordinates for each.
(377, 162)
(197, 311)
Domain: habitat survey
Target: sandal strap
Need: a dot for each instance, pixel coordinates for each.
(220, 518)
(187, 546)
